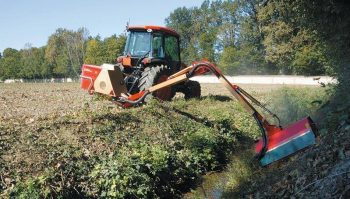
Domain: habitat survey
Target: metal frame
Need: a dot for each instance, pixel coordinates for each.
(91, 85)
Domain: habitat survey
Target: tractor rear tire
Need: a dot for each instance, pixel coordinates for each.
(154, 75)
(192, 89)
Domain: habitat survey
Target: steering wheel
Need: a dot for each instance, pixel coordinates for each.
(141, 58)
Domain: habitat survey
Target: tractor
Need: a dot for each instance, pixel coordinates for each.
(151, 66)
(151, 55)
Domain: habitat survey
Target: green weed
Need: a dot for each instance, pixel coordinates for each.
(159, 150)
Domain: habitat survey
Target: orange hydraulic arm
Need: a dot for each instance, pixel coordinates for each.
(242, 96)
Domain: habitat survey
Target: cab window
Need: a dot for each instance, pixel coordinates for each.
(157, 46)
(138, 44)
(171, 48)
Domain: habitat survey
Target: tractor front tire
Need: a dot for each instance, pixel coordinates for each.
(192, 89)
(154, 75)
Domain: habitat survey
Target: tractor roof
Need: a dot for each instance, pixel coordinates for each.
(155, 28)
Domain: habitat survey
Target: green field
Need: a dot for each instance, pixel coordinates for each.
(57, 141)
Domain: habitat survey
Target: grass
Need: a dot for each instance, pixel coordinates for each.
(243, 172)
(157, 150)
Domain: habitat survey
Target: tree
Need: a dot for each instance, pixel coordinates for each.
(293, 47)
(181, 21)
(45, 70)
(206, 43)
(94, 52)
(113, 47)
(33, 63)
(56, 54)
(106, 51)
(75, 46)
(10, 63)
(218, 27)
(228, 60)
(65, 51)
(28, 67)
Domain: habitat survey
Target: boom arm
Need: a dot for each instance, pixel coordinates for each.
(242, 96)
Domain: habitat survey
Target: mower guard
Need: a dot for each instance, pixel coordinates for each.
(286, 141)
(106, 79)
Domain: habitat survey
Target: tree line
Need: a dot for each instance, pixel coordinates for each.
(62, 56)
(303, 37)
(252, 36)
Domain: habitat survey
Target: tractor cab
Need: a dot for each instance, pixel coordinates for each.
(151, 56)
(151, 45)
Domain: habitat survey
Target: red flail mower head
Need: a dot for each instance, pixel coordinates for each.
(286, 141)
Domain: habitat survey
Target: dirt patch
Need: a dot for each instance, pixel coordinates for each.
(29, 102)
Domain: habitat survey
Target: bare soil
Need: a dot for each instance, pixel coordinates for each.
(29, 102)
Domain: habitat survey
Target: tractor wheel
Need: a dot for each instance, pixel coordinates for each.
(154, 75)
(192, 89)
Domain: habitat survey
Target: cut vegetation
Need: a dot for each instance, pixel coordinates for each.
(91, 149)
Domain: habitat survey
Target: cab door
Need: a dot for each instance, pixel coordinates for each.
(172, 52)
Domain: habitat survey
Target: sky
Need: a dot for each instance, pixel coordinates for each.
(33, 21)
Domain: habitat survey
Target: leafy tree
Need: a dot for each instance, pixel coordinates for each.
(228, 60)
(216, 28)
(65, 51)
(33, 63)
(56, 55)
(228, 31)
(113, 47)
(272, 36)
(75, 46)
(94, 52)
(294, 48)
(11, 65)
(206, 45)
(181, 20)
(106, 51)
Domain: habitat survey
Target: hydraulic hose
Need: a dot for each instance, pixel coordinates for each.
(263, 135)
(206, 65)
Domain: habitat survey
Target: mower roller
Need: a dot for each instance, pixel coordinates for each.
(276, 142)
